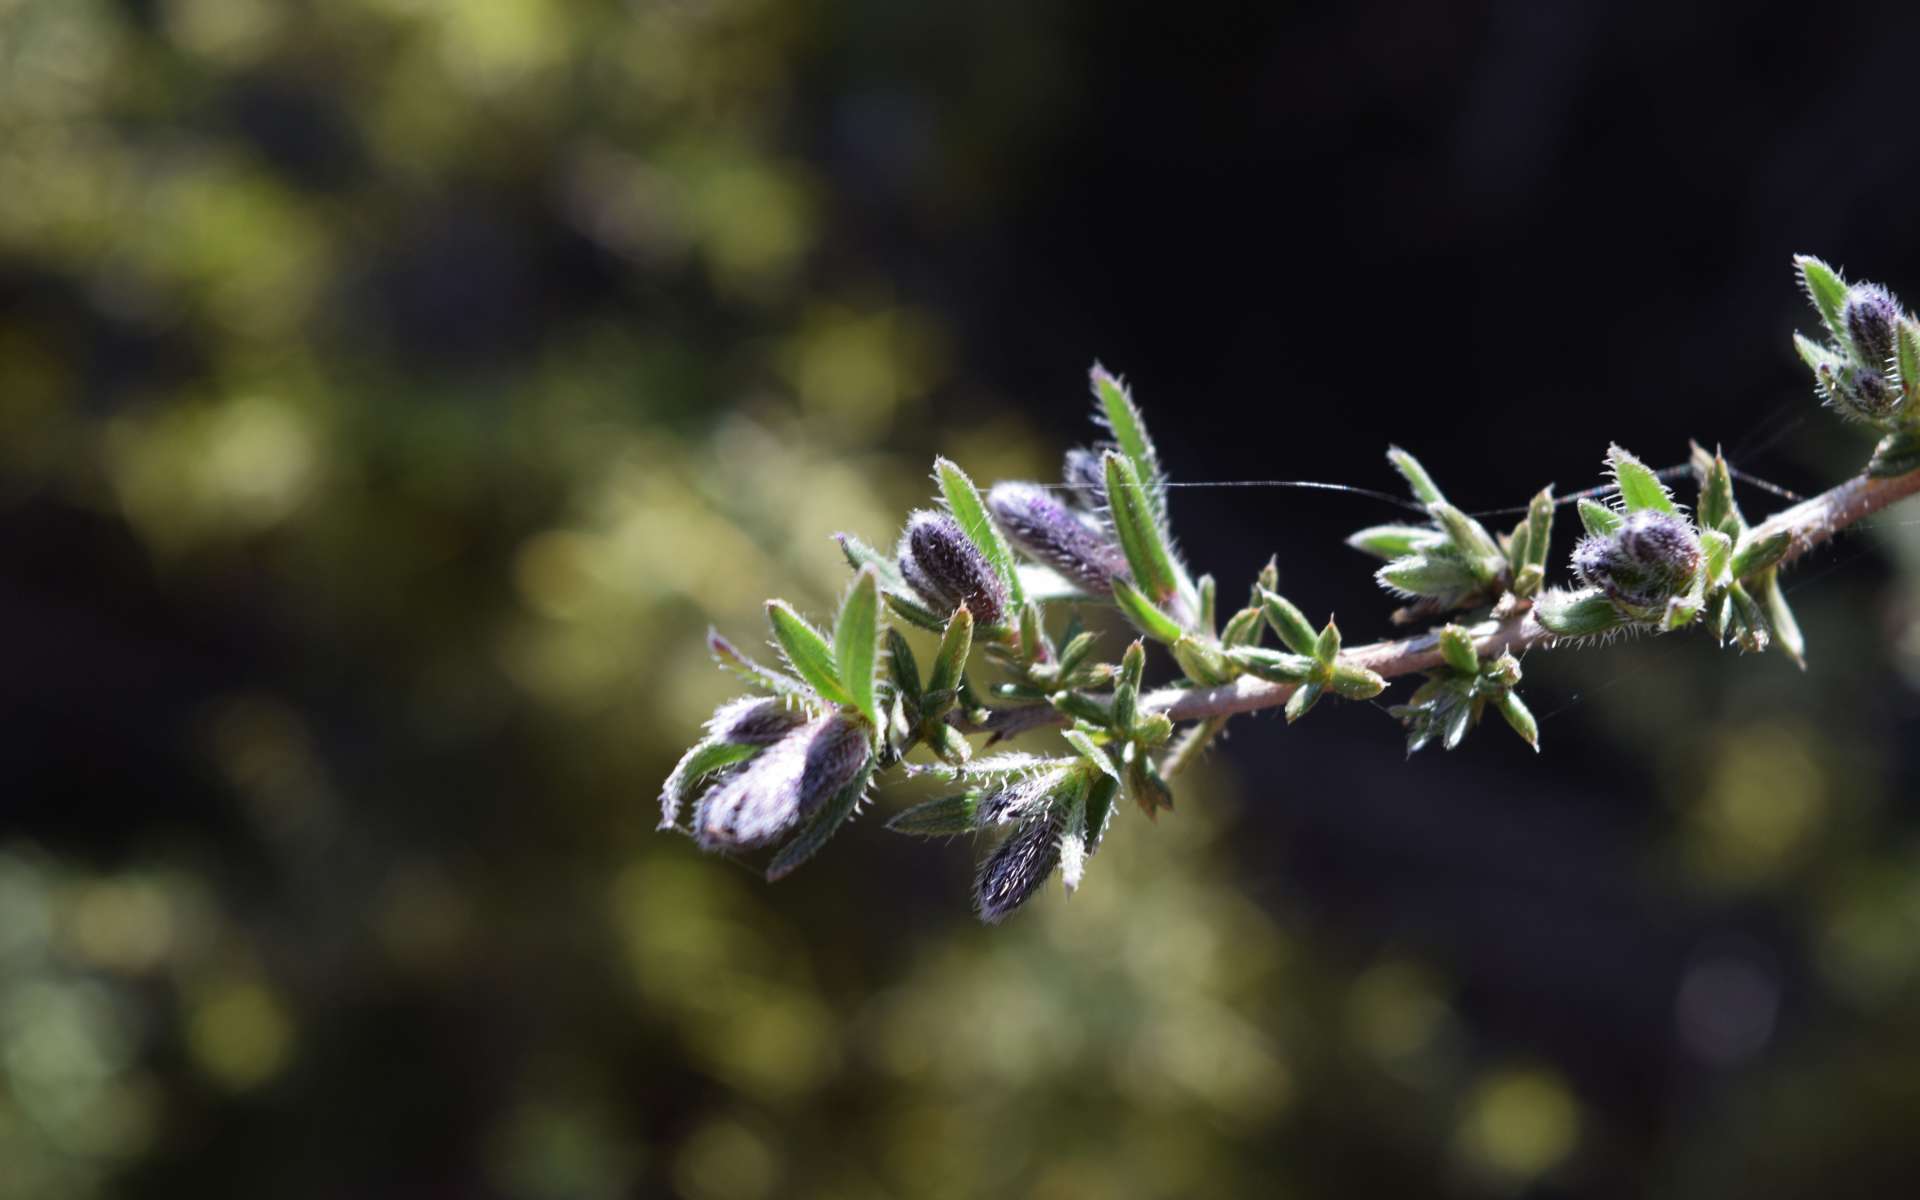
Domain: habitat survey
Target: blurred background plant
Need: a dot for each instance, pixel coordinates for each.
(392, 392)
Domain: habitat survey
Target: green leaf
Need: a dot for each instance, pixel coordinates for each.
(1094, 755)
(1100, 798)
(1598, 519)
(1428, 575)
(1138, 530)
(822, 827)
(1827, 291)
(1356, 683)
(1077, 650)
(1274, 666)
(1289, 623)
(1639, 486)
(1786, 630)
(1750, 622)
(856, 642)
(730, 659)
(1540, 528)
(1519, 717)
(1716, 554)
(1897, 454)
(1126, 686)
(963, 501)
(1456, 647)
(914, 613)
(950, 661)
(1326, 647)
(859, 556)
(1717, 509)
(1576, 614)
(1202, 660)
(1207, 590)
(1758, 553)
(903, 669)
(1147, 618)
(807, 652)
(1122, 418)
(1303, 699)
(704, 759)
(1073, 836)
(1396, 541)
(1243, 628)
(1470, 539)
(1416, 476)
(948, 816)
(1907, 358)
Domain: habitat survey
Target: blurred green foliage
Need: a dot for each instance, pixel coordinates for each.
(468, 359)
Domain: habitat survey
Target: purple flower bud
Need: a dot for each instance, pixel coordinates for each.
(1871, 316)
(1018, 799)
(1651, 558)
(1050, 532)
(1086, 478)
(1863, 392)
(761, 801)
(948, 570)
(755, 721)
(1017, 867)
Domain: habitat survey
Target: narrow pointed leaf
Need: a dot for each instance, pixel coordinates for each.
(1395, 541)
(1243, 628)
(1428, 575)
(703, 760)
(1274, 666)
(1717, 509)
(1469, 537)
(1639, 486)
(729, 657)
(1907, 358)
(1576, 614)
(950, 661)
(1326, 647)
(1540, 528)
(1126, 686)
(1597, 518)
(1122, 418)
(964, 502)
(1146, 617)
(1416, 476)
(1519, 717)
(1356, 683)
(1716, 557)
(807, 652)
(1289, 623)
(1100, 806)
(1139, 531)
(1073, 837)
(948, 816)
(1759, 553)
(1093, 754)
(1786, 630)
(856, 642)
(1303, 699)
(1456, 647)
(1827, 291)
(903, 670)
(1202, 660)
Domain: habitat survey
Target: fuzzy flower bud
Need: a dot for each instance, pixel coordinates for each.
(948, 570)
(769, 796)
(755, 721)
(1652, 557)
(1086, 478)
(1871, 316)
(1016, 869)
(1052, 533)
(1863, 393)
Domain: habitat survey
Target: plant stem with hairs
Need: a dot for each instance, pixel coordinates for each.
(987, 574)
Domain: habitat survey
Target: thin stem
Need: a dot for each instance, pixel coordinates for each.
(1811, 522)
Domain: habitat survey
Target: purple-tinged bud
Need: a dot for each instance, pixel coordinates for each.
(1086, 478)
(1018, 799)
(1871, 316)
(1052, 533)
(755, 721)
(762, 801)
(1652, 557)
(941, 563)
(1017, 867)
(1864, 392)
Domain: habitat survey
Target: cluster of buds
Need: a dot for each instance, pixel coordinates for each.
(786, 768)
(1869, 368)
(1646, 565)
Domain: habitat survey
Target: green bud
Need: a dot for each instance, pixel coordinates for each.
(1456, 647)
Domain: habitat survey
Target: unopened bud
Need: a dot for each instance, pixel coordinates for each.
(1650, 558)
(761, 802)
(1871, 315)
(755, 721)
(948, 570)
(1085, 477)
(1052, 533)
(1016, 869)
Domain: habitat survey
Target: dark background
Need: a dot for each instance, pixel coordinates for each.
(391, 393)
